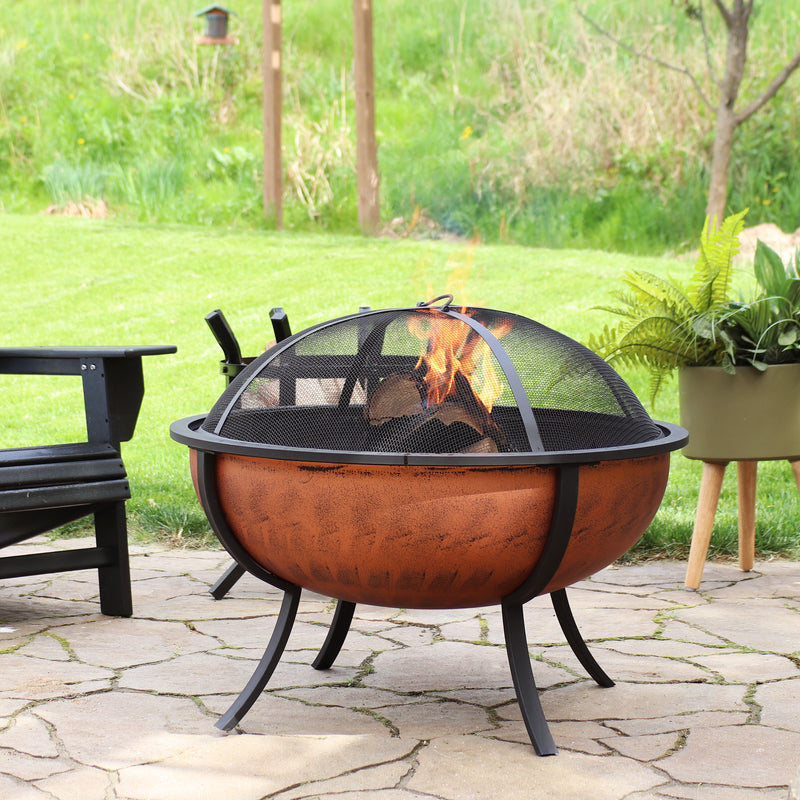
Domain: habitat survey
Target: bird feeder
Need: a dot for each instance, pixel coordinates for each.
(216, 31)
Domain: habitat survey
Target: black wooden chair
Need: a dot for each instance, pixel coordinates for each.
(47, 486)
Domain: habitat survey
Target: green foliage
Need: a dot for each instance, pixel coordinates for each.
(765, 330)
(666, 325)
(500, 117)
(710, 284)
(67, 183)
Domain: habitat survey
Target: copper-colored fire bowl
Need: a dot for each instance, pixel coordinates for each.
(429, 536)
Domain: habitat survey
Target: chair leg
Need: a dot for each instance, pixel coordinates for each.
(111, 533)
(747, 473)
(710, 487)
(575, 640)
(225, 582)
(263, 672)
(519, 660)
(340, 625)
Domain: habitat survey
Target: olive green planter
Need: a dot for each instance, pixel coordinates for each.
(749, 416)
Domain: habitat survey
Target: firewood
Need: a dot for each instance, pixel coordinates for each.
(396, 396)
(485, 445)
(401, 421)
(434, 436)
(449, 412)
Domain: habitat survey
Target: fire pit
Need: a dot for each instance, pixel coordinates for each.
(428, 457)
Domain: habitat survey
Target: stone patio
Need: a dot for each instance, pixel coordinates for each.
(419, 704)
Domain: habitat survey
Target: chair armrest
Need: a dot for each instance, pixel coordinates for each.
(62, 360)
(113, 383)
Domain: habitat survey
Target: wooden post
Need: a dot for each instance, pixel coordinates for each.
(366, 146)
(271, 69)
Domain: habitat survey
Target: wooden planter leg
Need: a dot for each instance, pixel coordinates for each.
(710, 487)
(747, 471)
(796, 471)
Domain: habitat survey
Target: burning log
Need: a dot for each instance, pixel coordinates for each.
(444, 405)
(397, 396)
(403, 420)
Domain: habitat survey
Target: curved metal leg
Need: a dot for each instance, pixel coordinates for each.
(225, 583)
(332, 645)
(519, 661)
(263, 672)
(575, 640)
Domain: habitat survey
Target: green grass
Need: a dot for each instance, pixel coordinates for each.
(512, 118)
(72, 282)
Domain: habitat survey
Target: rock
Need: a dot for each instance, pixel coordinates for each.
(785, 244)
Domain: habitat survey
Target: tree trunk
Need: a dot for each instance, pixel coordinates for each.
(720, 165)
(737, 20)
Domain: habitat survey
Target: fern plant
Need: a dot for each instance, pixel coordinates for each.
(665, 325)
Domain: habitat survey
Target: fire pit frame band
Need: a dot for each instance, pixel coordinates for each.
(188, 431)
(511, 606)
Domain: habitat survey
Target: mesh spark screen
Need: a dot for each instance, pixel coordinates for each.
(429, 380)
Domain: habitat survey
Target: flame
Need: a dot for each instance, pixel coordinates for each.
(453, 348)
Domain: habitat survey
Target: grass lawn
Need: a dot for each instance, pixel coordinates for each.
(94, 282)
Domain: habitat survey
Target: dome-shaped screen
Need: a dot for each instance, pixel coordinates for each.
(431, 380)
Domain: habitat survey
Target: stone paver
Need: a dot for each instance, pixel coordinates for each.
(761, 754)
(794, 792)
(419, 703)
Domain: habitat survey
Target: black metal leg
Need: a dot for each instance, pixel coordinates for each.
(520, 662)
(575, 640)
(225, 583)
(111, 532)
(340, 625)
(263, 672)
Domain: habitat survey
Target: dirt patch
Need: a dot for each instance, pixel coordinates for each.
(420, 226)
(88, 208)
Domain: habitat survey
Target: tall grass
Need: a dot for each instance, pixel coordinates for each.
(512, 118)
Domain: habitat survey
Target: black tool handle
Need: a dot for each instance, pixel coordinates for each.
(280, 324)
(224, 335)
